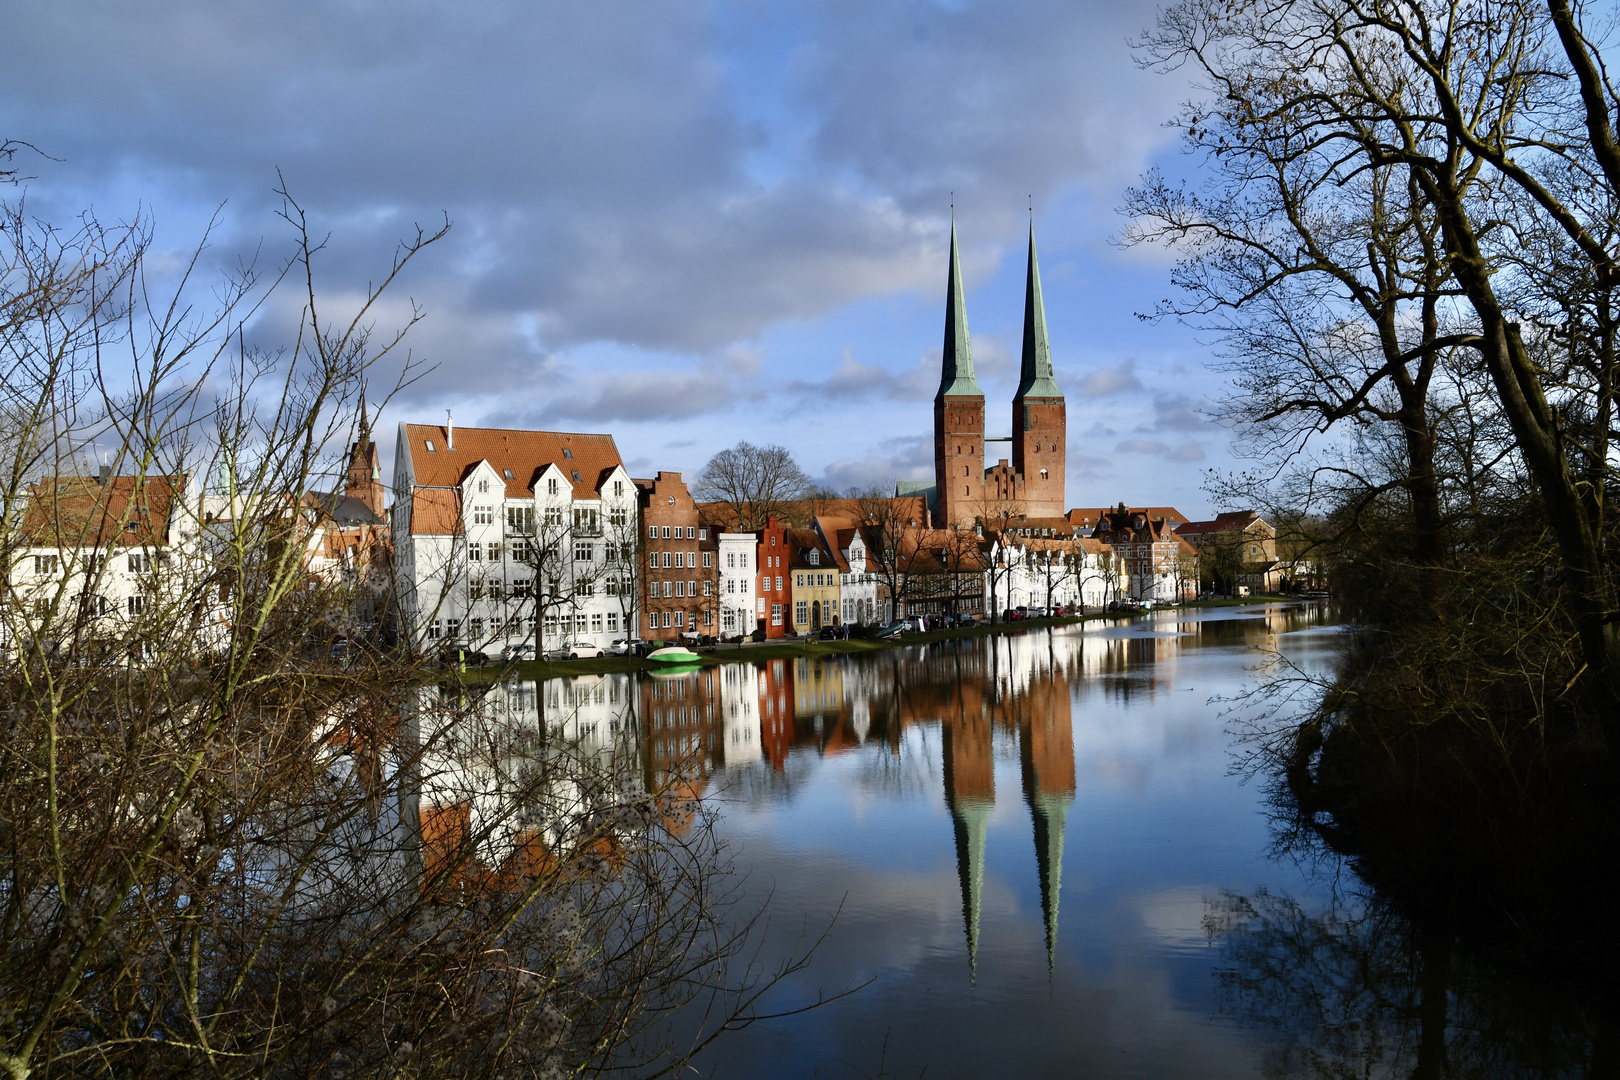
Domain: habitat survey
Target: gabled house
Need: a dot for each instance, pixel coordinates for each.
(505, 537)
(1237, 549)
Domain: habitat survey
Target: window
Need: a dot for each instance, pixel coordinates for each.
(618, 489)
(551, 485)
(575, 474)
(666, 558)
(778, 584)
(703, 533)
(613, 622)
(616, 516)
(801, 613)
(584, 551)
(759, 607)
(708, 559)
(731, 585)
(477, 627)
(814, 557)
(776, 614)
(680, 588)
(579, 622)
(506, 473)
(483, 515)
(799, 580)
(139, 563)
(708, 618)
(436, 630)
(135, 604)
(100, 605)
(553, 516)
(680, 619)
(652, 560)
(596, 623)
(585, 588)
(483, 486)
(431, 448)
(45, 565)
(708, 588)
(475, 552)
(475, 590)
(666, 618)
(666, 532)
(652, 620)
(452, 627)
(567, 453)
(668, 588)
(728, 620)
(731, 560)
(520, 519)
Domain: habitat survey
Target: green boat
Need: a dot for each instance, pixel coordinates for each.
(674, 654)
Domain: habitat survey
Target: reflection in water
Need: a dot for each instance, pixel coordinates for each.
(1359, 990)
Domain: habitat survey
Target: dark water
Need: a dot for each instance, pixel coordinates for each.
(1043, 863)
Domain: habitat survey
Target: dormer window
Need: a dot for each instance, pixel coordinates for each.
(551, 485)
(575, 475)
(567, 453)
(430, 447)
(507, 473)
(815, 558)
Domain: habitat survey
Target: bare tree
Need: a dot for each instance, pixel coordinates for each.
(752, 483)
(223, 853)
(889, 533)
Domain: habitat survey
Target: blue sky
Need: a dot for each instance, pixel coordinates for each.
(684, 223)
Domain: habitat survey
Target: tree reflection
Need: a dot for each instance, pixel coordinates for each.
(1360, 990)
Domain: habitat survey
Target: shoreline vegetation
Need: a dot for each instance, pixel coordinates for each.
(796, 648)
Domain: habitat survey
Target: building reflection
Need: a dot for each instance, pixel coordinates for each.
(683, 729)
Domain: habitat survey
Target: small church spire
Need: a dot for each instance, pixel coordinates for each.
(956, 377)
(1035, 377)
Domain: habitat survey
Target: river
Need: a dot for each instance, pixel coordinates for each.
(1037, 855)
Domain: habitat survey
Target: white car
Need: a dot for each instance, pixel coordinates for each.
(516, 653)
(623, 647)
(576, 649)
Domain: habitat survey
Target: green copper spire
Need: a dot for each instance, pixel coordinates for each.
(1035, 380)
(956, 367)
(1051, 814)
(971, 821)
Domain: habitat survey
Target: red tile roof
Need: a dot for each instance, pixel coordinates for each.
(79, 511)
(585, 459)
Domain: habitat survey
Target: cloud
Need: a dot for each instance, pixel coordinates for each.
(1182, 453)
(1104, 382)
(904, 458)
(852, 380)
(1177, 412)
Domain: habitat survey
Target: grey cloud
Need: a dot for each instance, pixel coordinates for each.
(1184, 452)
(600, 162)
(852, 380)
(1104, 382)
(1177, 412)
(900, 458)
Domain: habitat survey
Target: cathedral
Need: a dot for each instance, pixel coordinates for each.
(1030, 485)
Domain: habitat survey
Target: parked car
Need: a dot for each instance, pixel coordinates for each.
(1035, 613)
(890, 629)
(623, 647)
(454, 655)
(576, 649)
(517, 653)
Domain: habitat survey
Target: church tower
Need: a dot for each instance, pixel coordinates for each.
(1039, 422)
(958, 414)
(364, 477)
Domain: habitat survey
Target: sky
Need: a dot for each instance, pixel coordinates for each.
(682, 222)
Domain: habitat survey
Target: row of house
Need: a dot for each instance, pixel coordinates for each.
(500, 537)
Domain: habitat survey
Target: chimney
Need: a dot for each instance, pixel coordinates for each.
(104, 477)
(449, 431)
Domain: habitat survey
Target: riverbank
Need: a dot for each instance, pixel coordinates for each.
(798, 648)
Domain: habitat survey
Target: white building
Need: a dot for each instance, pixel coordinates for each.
(736, 554)
(504, 537)
(1039, 572)
(108, 560)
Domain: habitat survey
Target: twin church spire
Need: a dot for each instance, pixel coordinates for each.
(1031, 485)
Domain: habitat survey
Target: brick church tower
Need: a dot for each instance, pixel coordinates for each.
(1039, 424)
(958, 415)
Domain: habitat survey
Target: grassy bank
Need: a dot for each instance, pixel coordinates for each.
(797, 648)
